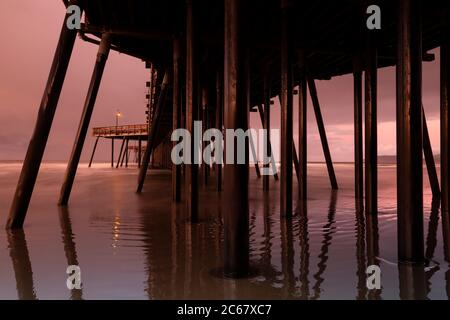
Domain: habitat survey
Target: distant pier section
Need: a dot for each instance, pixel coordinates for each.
(133, 132)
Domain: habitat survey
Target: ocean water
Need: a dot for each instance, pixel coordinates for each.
(131, 246)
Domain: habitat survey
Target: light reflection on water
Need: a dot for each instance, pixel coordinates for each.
(141, 247)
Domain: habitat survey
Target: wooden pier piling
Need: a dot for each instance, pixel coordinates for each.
(192, 110)
(139, 157)
(371, 132)
(121, 152)
(44, 122)
(286, 98)
(358, 133)
(322, 133)
(102, 57)
(219, 124)
(445, 130)
(409, 133)
(265, 120)
(429, 159)
(153, 130)
(112, 152)
(302, 129)
(176, 114)
(93, 152)
(235, 215)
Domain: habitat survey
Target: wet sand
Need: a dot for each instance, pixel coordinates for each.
(131, 246)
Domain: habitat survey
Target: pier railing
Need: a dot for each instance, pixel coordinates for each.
(127, 130)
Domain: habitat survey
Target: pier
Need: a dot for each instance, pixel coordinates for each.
(217, 61)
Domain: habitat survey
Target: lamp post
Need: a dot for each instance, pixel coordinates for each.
(118, 115)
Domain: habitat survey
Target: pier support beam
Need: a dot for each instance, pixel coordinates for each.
(265, 119)
(296, 163)
(93, 151)
(409, 133)
(176, 115)
(445, 132)
(126, 153)
(112, 152)
(121, 153)
(302, 130)
(322, 133)
(102, 57)
(192, 111)
(139, 152)
(254, 156)
(286, 98)
(153, 131)
(236, 221)
(248, 88)
(429, 159)
(205, 127)
(219, 124)
(371, 139)
(44, 122)
(358, 133)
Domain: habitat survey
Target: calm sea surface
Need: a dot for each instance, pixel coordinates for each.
(131, 246)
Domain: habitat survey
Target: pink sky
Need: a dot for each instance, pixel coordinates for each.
(29, 34)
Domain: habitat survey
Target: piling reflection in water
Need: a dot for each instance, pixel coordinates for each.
(447, 281)
(328, 230)
(433, 224)
(20, 258)
(287, 256)
(412, 282)
(415, 279)
(373, 249)
(360, 254)
(431, 243)
(190, 252)
(304, 251)
(321, 252)
(432, 267)
(266, 255)
(68, 239)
